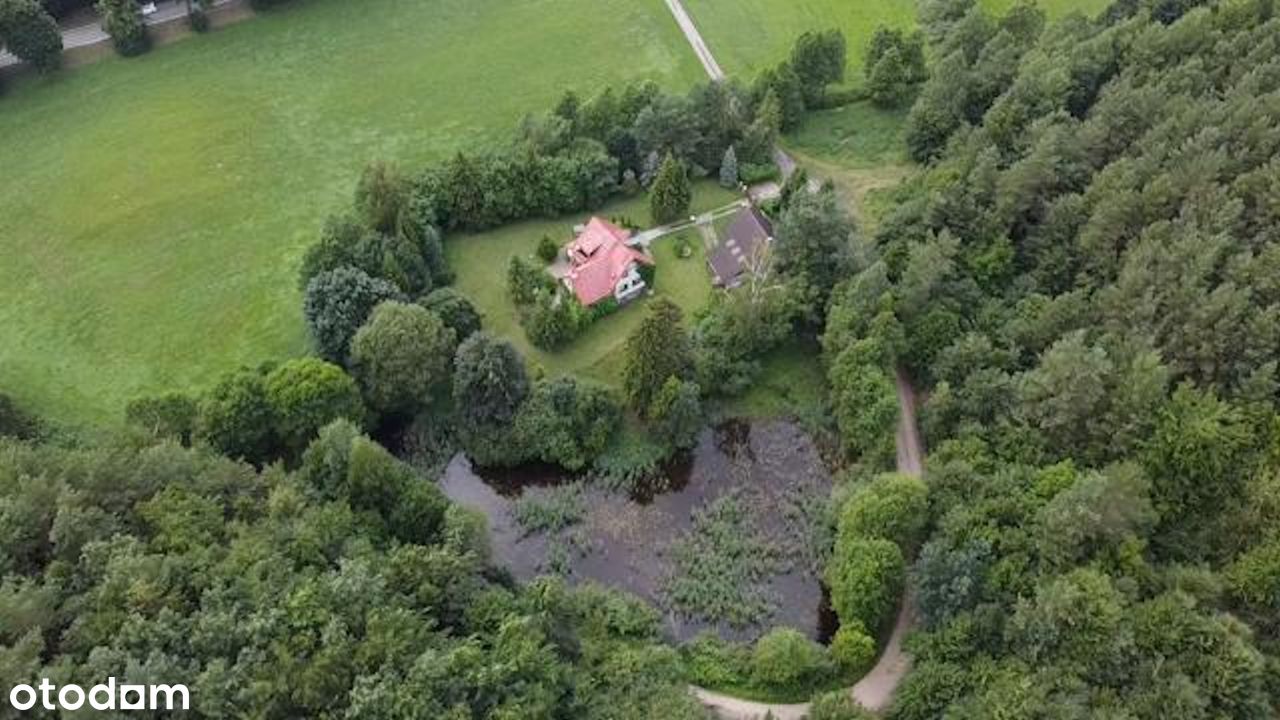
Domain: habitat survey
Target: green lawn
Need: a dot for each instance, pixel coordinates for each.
(481, 260)
(153, 211)
(792, 383)
(747, 35)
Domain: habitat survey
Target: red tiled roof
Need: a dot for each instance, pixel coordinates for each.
(595, 277)
(597, 234)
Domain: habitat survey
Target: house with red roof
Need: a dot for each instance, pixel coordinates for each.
(603, 265)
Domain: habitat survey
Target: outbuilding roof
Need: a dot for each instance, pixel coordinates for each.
(730, 259)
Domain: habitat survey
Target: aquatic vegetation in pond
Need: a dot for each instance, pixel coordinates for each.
(550, 511)
(541, 522)
(720, 567)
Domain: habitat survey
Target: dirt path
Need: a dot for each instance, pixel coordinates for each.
(695, 39)
(875, 689)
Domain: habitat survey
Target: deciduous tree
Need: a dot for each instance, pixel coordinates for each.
(400, 355)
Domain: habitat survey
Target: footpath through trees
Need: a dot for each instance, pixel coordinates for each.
(876, 688)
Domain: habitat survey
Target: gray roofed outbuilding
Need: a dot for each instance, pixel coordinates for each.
(731, 258)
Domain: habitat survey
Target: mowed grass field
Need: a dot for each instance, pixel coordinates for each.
(153, 210)
(481, 261)
(749, 35)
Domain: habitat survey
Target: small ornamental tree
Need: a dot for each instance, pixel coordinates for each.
(123, 22)
(676, 413)
(656, 350)
(671, 194)
(547, 249)
(400, 355)
(337, 303)
(31, 34)
(308, 393)
(729, 169)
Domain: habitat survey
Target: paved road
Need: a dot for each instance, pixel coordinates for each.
(91, 33)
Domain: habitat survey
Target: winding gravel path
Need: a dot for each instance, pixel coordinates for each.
(875, 689)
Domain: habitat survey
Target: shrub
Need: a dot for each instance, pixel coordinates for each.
(31, 34)
(308, 393)
(837, 705)
(123, 22)
(853, 649)
(866, 577)
(784, 658)
(171, 416)
(548, 250)
(683, 248)
(454, 310)
(526, 282)
(16, 422)
(199, 19)
(676, 413)
(755, 173)
(553, 319)
(567, 422)
(891, 507)
(236, 418)
(712, 662)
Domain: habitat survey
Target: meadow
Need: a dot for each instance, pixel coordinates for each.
(153, 210)
(749, 35)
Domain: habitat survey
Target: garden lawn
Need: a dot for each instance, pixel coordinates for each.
(153, 210)
(748, 35)
(481, 261)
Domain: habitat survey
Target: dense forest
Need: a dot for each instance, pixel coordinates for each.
(1086, 279)
(1083, 281)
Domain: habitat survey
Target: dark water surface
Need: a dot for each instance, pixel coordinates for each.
(624, 543)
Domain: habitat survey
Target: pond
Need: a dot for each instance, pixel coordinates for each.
(736, 544)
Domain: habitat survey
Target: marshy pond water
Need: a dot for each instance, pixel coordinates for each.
(735, 544)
